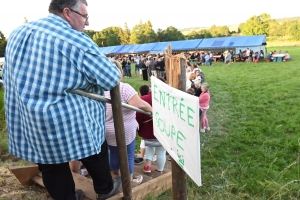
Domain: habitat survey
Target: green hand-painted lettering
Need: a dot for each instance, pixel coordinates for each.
(181, 108)
(189, 116)
(180, 137)
(155, 92)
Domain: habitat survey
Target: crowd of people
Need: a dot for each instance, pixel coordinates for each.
(196, 85)
(285, 56)
(204, 58)
(144, 65)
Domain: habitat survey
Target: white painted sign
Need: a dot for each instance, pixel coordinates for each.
(176, 126)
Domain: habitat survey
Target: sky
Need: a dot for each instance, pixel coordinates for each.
(161, 13)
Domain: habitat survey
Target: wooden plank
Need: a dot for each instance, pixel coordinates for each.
(120, 139)
(86, 185)
(24, 173)
(153, 187)
(38, 179)
(145, 179)
(153, 174)
(156, 186)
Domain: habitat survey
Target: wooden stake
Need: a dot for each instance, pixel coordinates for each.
(121, 142)
(176, 76)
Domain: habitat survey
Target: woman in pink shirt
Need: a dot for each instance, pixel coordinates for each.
(204, 100)
(129, 96)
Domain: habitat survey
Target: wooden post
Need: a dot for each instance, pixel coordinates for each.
(121, 142)
(176, 77)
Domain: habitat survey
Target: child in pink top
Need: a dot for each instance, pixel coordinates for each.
(204, 100)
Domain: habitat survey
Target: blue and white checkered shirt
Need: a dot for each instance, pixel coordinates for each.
(45, 60)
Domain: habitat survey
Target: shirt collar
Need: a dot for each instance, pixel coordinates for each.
(60, 19)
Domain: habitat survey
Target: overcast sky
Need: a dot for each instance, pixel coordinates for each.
(161, 13)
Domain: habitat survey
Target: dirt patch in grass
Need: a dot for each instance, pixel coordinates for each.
(11, 189)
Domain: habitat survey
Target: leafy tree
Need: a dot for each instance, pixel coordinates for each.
(160, 36)
(274, 27)
(90, 33)
(193, 35)
(218, 31)
(112, 40)
(136, 34)
(124, 35)
(203, 33)
(170, 34)
(142, 33)
(101, 37)
(3, 43)
(257, 25)
(224, 31)
(284, 28)
(149, 34)
(240, 28)
(214, 31)
(208, 35)
(294, 29)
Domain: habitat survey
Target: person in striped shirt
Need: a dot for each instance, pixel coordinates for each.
(131, 97)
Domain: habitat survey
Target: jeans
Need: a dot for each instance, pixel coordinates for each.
(160, 156)
(128, 71)
(124, 71)
(114, 157)
(59, 182)
(161, 74)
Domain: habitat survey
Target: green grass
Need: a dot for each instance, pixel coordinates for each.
(253, 149)
(3, 136)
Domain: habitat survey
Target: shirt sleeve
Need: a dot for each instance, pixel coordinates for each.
(99, 70)
(128, 92)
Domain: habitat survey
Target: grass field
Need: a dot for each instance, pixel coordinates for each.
(253, 148)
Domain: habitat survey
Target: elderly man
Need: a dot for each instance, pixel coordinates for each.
(46, 124)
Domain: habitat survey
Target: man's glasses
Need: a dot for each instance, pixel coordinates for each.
(84, 16)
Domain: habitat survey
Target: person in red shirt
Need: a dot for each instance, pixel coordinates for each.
(146, 132)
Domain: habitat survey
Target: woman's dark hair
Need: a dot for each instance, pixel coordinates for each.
(57, 6)
(144, 89)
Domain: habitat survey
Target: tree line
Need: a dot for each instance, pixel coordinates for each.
(144, 33)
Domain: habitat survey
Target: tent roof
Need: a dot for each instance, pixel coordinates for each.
(182, 45)
(141, 48)
(127, 49)
(185, 44)
(109, 50)
(247, 41)
(160, 46)
(232, 42)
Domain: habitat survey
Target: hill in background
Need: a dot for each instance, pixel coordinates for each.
(233, 27)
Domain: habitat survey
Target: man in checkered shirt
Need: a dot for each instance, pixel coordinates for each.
(46, 124)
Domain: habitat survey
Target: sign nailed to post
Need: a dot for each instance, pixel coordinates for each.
(176, 126)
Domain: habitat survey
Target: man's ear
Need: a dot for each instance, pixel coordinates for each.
(67, 14)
